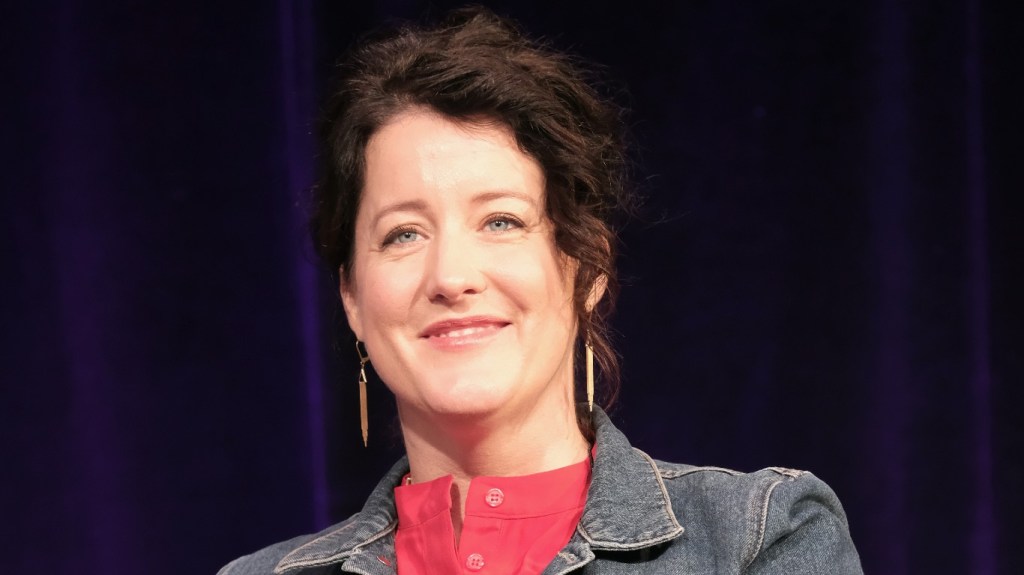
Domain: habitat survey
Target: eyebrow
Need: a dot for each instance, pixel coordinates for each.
(481, 198)
(407, 206)
(485, 197)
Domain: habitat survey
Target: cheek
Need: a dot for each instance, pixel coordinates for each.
(537, 280)
(387, 297)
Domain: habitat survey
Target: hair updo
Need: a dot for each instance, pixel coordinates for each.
(473, 66)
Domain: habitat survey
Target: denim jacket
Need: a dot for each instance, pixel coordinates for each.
(642, 516)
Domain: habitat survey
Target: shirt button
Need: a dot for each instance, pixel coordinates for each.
(475, 562)
(494, 497)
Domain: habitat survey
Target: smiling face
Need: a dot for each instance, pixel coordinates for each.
(456, 286)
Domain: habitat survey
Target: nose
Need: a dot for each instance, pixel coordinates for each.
(454, 270)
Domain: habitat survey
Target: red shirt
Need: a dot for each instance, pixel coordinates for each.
(513, 525)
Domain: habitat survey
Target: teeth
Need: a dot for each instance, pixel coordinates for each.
(460, 332)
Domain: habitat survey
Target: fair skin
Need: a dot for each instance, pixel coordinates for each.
(464, 302)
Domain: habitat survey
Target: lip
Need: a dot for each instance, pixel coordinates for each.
(463, 330)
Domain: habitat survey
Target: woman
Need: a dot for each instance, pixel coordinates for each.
(471, 177)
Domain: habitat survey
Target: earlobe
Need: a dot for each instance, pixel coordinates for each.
(348, 301)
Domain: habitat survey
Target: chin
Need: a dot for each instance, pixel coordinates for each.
(470, 402)
(470, 397)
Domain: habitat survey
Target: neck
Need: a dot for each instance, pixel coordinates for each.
(541, 439)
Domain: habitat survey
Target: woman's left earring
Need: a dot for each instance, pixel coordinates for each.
(363, 416)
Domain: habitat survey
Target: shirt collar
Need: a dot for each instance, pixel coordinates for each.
(627, 507)
(516, 497)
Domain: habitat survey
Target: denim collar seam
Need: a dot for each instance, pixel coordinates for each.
(302, 558)
(639, 541)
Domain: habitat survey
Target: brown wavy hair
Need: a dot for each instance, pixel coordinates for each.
(475, 65)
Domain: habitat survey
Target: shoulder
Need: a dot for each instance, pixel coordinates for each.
(776, 520)
(719, 486)
(264, 561)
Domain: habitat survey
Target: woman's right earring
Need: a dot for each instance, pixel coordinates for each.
(363, 416)
(590, 374)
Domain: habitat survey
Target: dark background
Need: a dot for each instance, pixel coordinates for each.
(826, 273)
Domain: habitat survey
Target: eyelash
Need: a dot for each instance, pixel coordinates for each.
(392, 237)
(514, 221)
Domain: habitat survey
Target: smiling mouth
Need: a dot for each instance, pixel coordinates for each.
(463, 331)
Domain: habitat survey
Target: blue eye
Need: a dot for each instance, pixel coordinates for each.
(502, 224)
(402, 237)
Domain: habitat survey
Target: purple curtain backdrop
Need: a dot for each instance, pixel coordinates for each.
(826, 273)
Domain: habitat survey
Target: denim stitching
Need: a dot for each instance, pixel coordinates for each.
(284, 565)
(664, 492)
(677, 473)
(581, 561)
(794, 473)
(351, 523)
(645, 540)
(762, 525)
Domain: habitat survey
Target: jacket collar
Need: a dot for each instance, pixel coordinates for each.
(627, 507)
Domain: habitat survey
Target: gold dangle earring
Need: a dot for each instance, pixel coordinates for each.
(590, 373)
(363, 417)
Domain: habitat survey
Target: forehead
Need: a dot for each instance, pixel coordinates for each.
(423, 151)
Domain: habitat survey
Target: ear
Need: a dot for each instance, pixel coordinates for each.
(597, 292)
(348, 301)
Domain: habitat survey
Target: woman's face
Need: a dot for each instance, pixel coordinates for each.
(457, 288)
